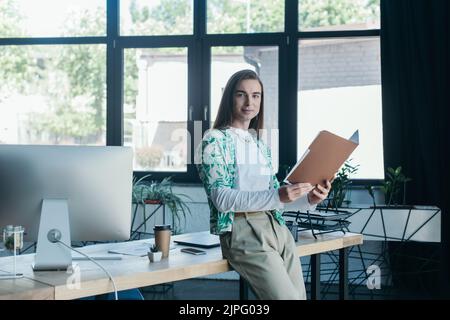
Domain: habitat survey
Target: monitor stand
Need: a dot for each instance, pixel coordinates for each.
(54, 223)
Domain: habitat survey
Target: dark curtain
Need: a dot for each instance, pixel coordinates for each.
(415, 84)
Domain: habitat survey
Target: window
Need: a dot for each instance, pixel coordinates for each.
(50, 18)
(245, 16)
(156, 17)
(334, 15)
(339, 78)
(155, 110)
(52, 92)
(50, 95)
(149, 74)
(340, 91)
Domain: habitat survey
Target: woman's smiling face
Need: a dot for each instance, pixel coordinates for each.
(246, 103)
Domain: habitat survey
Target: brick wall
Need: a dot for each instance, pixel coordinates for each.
(339, 63)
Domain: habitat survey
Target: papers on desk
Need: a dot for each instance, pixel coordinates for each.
(325, 215)
(138, 249)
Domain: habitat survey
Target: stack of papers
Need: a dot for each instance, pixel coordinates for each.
(139, 249)
(326, 215)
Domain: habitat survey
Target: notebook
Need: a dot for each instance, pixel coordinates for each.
(323, 158)
(201, 240)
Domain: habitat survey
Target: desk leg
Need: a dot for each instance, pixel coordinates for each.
(164, 214)
(315, 277)
(243, 288)
(343, 274)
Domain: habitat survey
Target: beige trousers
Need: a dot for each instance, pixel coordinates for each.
(263, 252)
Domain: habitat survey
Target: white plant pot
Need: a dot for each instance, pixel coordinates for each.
(154, 256)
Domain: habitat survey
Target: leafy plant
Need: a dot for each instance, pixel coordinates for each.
(162, 192)
(392, 185)
(9, 243)
(340, 185)
(370, 190)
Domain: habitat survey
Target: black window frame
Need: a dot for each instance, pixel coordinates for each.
(198, 45)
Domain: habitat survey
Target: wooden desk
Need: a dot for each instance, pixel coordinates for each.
(134, 272)
(25, 289)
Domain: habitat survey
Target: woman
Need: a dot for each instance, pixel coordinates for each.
(245, 197)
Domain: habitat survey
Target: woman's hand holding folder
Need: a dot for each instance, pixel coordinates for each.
(319, 193)
(292, 192)
(316, 194)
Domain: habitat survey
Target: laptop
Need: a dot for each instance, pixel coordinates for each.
(199, 239)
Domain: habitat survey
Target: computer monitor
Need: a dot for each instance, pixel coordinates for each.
(82, 192)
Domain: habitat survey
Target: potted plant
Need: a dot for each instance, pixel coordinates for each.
(393, 184)
(391, 188)
(412, 232)
(340, 185)
(154, 255)
(394, 220)
(153, 192)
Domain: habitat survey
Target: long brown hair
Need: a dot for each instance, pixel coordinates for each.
(225, 113)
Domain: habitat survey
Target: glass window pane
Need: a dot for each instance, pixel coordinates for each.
(225, 61)
(52, 18)
(53, 94)
(156, 17)
(245, 16)
(155, 110)
(340, 91)
(327, 15)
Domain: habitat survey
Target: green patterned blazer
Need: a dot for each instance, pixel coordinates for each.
(216, 164)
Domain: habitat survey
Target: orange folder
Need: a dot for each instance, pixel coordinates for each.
(323, 158)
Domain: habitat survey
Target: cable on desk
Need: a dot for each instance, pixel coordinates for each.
(98, 264)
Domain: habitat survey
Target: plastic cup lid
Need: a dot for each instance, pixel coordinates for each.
(162, 227)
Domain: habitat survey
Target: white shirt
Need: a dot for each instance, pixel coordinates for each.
(252, 191)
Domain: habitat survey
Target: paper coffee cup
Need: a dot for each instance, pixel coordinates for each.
(162, 238)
